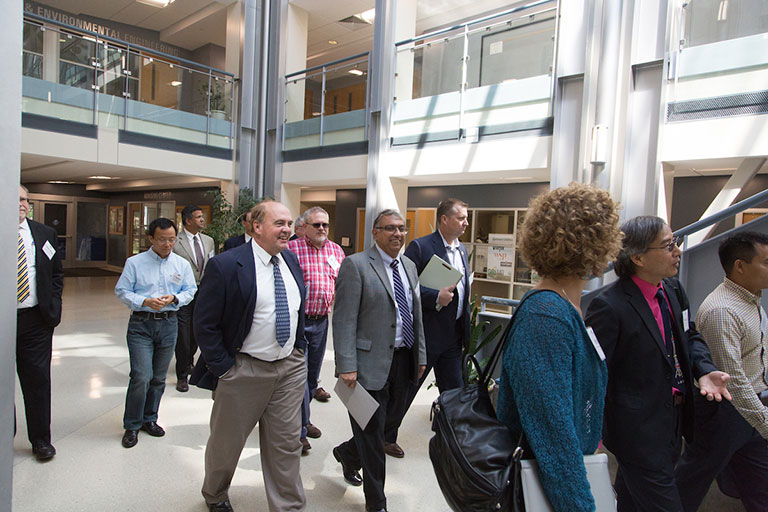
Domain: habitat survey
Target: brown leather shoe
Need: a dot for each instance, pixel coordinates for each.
(394, 450)
(305, 446)
(313, 431)
(182, 385)
(322, 395)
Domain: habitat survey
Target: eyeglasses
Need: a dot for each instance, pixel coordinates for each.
(165, 240)
(318, 225)
(671, 246)
(392, 228)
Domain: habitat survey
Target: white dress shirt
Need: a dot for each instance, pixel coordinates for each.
(454, 258)
(29, 248)
(387, 259)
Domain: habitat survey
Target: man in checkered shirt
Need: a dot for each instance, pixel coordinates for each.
(320, 260)
(733, 436)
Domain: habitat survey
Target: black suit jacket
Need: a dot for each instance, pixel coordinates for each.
(639, 414)
(439, 326)
(49, 279)
(232, 242)
(224, 309)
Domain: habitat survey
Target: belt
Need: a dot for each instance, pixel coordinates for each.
(402, 349)
(678, 399)
(24, 311)
(154, 315)
(316, 317)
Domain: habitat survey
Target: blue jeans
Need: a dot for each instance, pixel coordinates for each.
(316, 332)
(150, 346)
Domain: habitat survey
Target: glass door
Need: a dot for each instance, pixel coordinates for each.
(139, 217)
(91, 234)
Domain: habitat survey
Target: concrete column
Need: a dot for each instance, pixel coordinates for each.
(296, 28)
(51, 56)
(234, 39)
(11, 24)
(290, 196)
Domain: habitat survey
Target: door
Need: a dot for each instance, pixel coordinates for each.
(58, 215)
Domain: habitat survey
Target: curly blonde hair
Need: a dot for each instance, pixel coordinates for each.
(571, 230)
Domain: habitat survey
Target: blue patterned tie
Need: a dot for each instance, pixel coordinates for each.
(402, 306)
(282, 314)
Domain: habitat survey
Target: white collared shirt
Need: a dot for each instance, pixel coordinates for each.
(191, 239)
(261, 341)
(454, 258)
(387, 259)
(29, 248)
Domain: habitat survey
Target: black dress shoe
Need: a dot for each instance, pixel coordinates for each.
(153, 429)
(130, 438)
(222, 506)
(182, 385)
(43, 450)
(352, 476)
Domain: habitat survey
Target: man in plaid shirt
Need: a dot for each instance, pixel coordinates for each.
(320, 260)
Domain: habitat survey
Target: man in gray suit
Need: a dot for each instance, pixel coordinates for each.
(378, 342)
(197, 249)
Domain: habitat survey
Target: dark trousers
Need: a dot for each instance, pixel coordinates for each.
(186, 346)
(724, 440)
(366, 448)
(644, 489)
(34, 341)
(447, 366)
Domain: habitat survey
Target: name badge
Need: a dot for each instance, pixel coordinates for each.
(333, 262)
(49, 250)
(686, 321)
(211, 255)
(595, 343)
(176, 278)
(764, 326)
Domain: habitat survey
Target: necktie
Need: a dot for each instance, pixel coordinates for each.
(669, 340)
(282, 314)
(22, 273)
(198, 254)
(402, 306)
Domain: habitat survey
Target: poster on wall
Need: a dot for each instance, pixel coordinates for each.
(117, 220)
(501, 262)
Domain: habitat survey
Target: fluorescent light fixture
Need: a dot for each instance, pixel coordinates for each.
(332, 42)
(356, 72)
(156, 3)
(175, 83)
(102, 177)
(368, 15)
(60, 182)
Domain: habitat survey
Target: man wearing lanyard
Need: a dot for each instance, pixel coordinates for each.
(154, 284)
(733, 435)
(320, 260)
(653, 355)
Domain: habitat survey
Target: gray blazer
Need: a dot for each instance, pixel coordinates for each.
(364, 319)
(186, 251)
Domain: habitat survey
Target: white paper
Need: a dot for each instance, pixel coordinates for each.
(176, 278)
(686, 321)
(333, 262)
(595, 343)
(358, 402)
(496, 47)
(49, 250)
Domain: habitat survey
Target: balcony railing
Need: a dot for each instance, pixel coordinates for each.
(327, 104)
(94, 79)
(493, 74)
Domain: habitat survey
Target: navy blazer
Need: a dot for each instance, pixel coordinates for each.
(49, 280)
(439, 326)
(232, 242)
(224, 310)
(639, 417)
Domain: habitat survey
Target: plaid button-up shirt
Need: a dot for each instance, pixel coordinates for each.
(730, 320)
(320, 268)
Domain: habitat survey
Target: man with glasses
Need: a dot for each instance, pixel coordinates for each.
(378, 341)
(320, 260)
(653, 354)
(154, 284)
(733, 435)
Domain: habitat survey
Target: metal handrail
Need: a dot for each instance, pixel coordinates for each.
(485, 299)
(328, 64)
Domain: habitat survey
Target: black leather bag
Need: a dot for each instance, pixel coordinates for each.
(471, 451)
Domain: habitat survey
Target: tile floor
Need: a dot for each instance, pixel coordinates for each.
(92, 471)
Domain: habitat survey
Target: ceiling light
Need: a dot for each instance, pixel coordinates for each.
(368, 15)
(175, 83)
(102, 177)
(356, 72)
(59, 182)
(333, 41)
(156, 3)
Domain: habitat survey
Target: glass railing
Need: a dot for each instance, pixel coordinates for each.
(327, 105)
(493, 73)
(722, 52)
(92, 79)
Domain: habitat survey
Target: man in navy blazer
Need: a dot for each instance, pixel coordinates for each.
(445, 312)
(249, 323)
(238, 240)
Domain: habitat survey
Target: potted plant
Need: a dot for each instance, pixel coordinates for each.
(216, 104)
(224, 217)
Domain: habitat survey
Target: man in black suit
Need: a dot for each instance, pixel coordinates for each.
(237, 240)
(446, 312)
(40, 280)
(653, 353)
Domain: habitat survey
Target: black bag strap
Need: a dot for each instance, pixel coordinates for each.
(485, 376)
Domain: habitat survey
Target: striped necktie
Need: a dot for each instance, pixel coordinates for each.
(22, 273)
(402, 305)
(282, 313)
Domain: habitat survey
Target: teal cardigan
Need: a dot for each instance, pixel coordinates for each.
(553, 387)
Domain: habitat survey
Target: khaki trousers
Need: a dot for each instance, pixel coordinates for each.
(270, 394)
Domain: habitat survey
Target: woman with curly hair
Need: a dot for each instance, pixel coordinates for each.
(553, 380)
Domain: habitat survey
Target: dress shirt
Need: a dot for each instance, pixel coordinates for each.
(454, 258)
(147, 275)
(387, 259)
(261, 341)
(191, 239)
(29, 248)
(730, 320)
(649, 293)
(320, 268)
